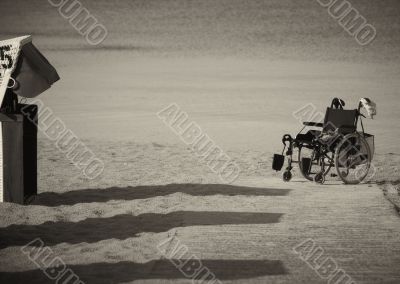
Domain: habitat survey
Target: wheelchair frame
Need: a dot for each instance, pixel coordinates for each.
(329, 153)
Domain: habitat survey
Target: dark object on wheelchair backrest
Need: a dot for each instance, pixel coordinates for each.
(340, 118)
(278, 162)
(338, 103)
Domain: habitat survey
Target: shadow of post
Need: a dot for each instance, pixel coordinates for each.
(157, 269)
(143, 192)
(124, 226)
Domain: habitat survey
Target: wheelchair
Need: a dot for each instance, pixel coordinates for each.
(334, 143)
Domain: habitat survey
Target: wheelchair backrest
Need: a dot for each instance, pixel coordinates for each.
(339, 118)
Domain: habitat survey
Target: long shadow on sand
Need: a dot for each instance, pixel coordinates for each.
(124, 226)
(157, 269)
(142, 192)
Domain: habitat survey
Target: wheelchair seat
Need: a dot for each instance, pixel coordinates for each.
(308, 136)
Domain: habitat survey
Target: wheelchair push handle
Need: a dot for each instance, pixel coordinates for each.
(338, 103)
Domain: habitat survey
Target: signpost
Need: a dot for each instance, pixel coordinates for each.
(24, 72)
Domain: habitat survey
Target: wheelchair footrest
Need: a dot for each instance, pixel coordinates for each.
(278, 162)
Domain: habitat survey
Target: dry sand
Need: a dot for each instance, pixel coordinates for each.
(108, 231)
(239, 69)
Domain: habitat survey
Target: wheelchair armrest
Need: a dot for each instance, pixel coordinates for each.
(316, 124)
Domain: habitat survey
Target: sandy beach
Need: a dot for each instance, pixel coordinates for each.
(240, 69)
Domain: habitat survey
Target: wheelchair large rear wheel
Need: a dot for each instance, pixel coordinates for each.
(310, 170)
(353, 158)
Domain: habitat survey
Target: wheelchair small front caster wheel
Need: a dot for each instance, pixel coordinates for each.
(319, 178)
(287, 176)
